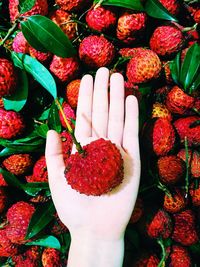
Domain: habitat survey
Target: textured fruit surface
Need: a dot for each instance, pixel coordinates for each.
(173, 6)
(7, 248)
(175, 202)
(3, 200)
(29, 258)
(71, 5)
(18, 164)
(179, 257)
(101, 18)
(69, 114)
(72, 91)
(20, 45)
(166, 40)
(40, 56)
(2, 180)
(39, 171)
(144, 66)
(195, 194)
(147, 261)
(51, 258)
(193, 160)
(173, 174)
(160, 111)
(8, 77)
(11, 124)
(67, 143)
(97, 171)
(131, 26)
(96, 51)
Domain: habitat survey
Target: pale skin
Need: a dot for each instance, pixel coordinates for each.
(97, 223)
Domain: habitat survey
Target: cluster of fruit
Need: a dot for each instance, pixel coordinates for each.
(46, 47)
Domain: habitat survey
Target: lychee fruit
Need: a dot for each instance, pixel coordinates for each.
(67, 143)
(30, 258)
(20, 45)
(8, 77)
(173, 6)
(72, 5)
(3, 199)
(128, 52)
(160, 111)
(97, 170)
(195, 194)
(176, 202)
(11, 124)
(69, 114)
(2, 180)
(39, 171)
(7, 248)
(72, 91)
(51, 258)
(43, 57)
(167, 72)
(96, 51)
(147, 261)
(179, 257)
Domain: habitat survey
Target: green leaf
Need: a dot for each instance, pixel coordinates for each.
(11, 179)
(54, 119)
(33, 189)
(135, 5)
(37, 70)
(42, 130)
(25, 5)
(17, 100)
(41, 217)
(190, 67)
(196, 84)
(175, 67)
(44, 115)
(41, 32)
(156, 10)
(47, 241)
(145, 89)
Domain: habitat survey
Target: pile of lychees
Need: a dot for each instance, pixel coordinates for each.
(46, 46)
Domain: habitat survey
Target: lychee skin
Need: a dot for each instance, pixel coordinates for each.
(97, 171)
(18, 164)
(43, 57)
(129, 52)
(69, 114)
(166, 40)
(11, 124)
(3, 200)
(8, 77)
(175, 203)
(39, 172)
(40, 8)
(148, 261)
(173, 174)
(173, 6)
(65, 69)
(2, 180)
(160, 111)
(179, 257)
(64, 20)
(72, 5)
(7, 248)
(96, 51)
(144, 66)
(29, 258)
(51, 258)
(20, 45)
(67, 143)
(131, 26)
(72, 92)
(195, 195)
(178, 101)
(101, 19)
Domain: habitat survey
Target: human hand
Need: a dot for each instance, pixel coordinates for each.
(102, 217)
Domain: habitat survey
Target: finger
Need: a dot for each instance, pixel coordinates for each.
(100, 103)
(84, 108)
(116, 111)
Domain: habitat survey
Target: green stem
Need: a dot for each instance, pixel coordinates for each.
(164, 254)
(187, 29)
(196, 111)
(164, 189)
(10, 31)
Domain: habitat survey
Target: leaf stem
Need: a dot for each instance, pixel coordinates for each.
(164, 254)
(10, 31)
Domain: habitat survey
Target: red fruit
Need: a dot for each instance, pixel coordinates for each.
(195, 194)
(72, 91)
(97, 170)
(65, 69)
(173, 174)
(129, 52)
(30, 258)
(8, 77)
(193, 160)
(175, 203)
(160, 226)
(197, 16)
(131, 26)
(144, 66)
(11, 124)
(7, 249)
(3, 200)
(161, 94)
(39, 171)
(58, 227)
(166, 40)
(101, 19)
(96, 51)
(160, 111)
(69, 114)
(147, 261)
(179, 257)
(72, 5)
(66, 144)
(64, 20)
(18, 164)
(1, 103)
(178, 101)
(184, 228)
(167, 72)
(20, 45)
(184, 129)
(138, 211)
(18, 217)
(40, 7)
(51, 258)
(43, 57)
(173, 6)
(2, 180)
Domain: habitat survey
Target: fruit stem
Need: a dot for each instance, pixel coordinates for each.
(10, 31)
(164, 189)
(187, 168)
(187, 29)
(69, 128)
(164, 254)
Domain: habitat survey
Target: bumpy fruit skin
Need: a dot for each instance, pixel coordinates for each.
(144, 66)
(58, 227)
(195, 194)
(51, 258)
(72, 91)
(65, 69)
(30, 258)
(39, 171)
(7, 248)
(3, 200)
(40, 56)
(194, 161)
(18, 217)
(138, 211)
(175, 203)
(130, 26)
(184, 130)
(96, 51)
(132, 89)
(18, 164)
(20, 45)
(8, 77)
(184, 228)
(173, 6)
(166, 40)
(147, 261)
(197, 16)
(179, 257)
(101, 19)
(129, 52)
(167, 72)
(173, 174)
(72, 5)
(97, 171)
(160, 111)
(40, 8)
(160, 226)
(11, 124)
(2, 180)
(69, 114)
(64, 20)
(67, 143)
(178, 101)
